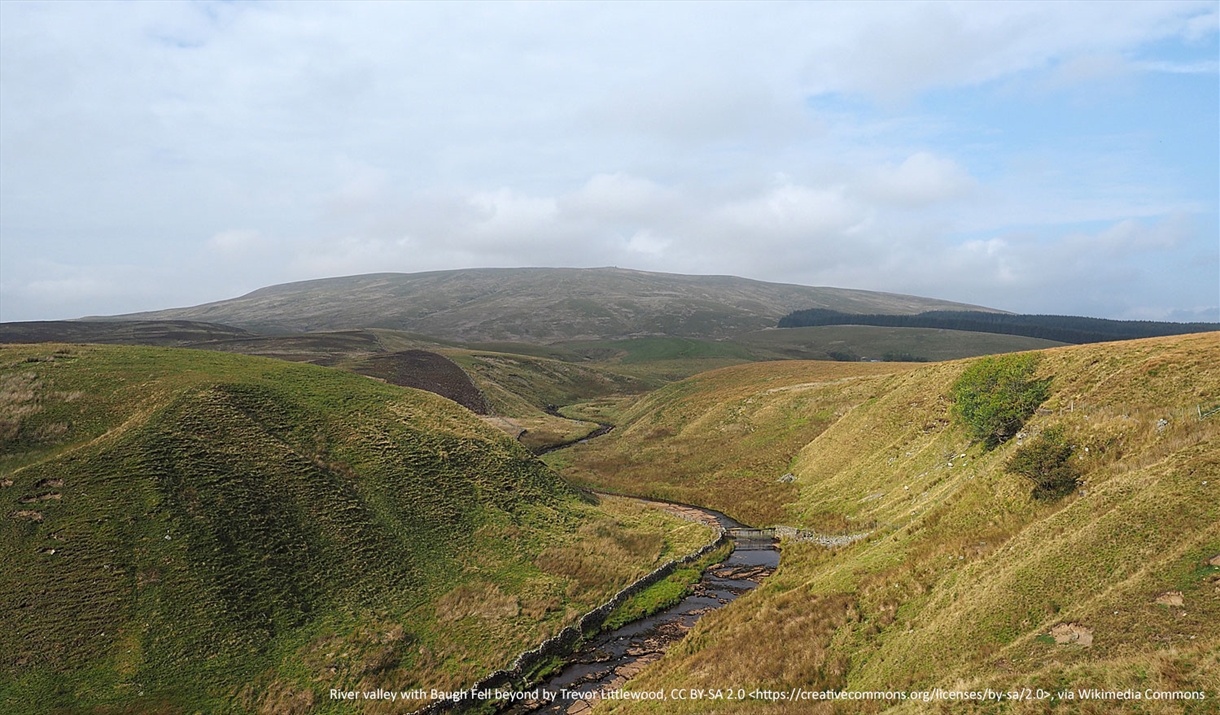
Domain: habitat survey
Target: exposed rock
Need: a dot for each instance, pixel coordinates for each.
(1069, 633)
(1170, 598)
(787, 478)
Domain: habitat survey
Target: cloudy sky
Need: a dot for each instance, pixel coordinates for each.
(1051, 157)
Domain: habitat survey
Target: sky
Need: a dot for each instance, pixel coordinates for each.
(1035, 157)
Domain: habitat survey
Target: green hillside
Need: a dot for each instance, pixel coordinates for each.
(964, 581)
(189, 531)
(724, 438)
(522, 383)
(537, 305)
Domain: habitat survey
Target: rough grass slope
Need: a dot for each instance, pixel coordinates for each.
(193, 531)
(966, 581)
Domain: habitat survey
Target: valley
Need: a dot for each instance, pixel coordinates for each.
(605, 358)
(205, 518)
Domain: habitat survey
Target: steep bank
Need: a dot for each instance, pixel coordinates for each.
(192, 531)
(967, 581)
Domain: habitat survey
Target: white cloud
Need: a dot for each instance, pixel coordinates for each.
(1202, 25)
(1207, 67)
(269, 142)
(912, 47)
(619, 196)
(1130, 235)
(235, 243)
(361, 187)
(54, 287)
(921, 179)
(645, 242)
(1088, 68)
(788, 212)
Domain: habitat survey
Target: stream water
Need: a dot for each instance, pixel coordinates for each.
(609, 660)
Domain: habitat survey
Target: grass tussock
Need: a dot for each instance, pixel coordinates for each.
(602, 557)
(476, 600)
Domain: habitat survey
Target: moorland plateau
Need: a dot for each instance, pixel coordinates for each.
(537, 305)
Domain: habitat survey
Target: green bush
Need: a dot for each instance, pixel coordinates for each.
(996, 394)
(1047, 462)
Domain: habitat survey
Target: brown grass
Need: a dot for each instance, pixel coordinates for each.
(478, 600)
(724, 438)
(601, 559)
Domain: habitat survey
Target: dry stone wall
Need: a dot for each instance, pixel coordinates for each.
(566, 641)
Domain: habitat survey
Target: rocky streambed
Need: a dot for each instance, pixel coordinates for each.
(609, 660)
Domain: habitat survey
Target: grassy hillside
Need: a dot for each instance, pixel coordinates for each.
(725, 438)
(520, 385)
(190, 531)
(523, 383)
(526, 382)
(536, 305)
(965, 580)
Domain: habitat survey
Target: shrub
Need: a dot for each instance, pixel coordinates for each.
(996, 394)
(1047, 462)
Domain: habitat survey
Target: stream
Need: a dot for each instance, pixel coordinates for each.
(609, 660)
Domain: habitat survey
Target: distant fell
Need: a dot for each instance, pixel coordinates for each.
(540, 305)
